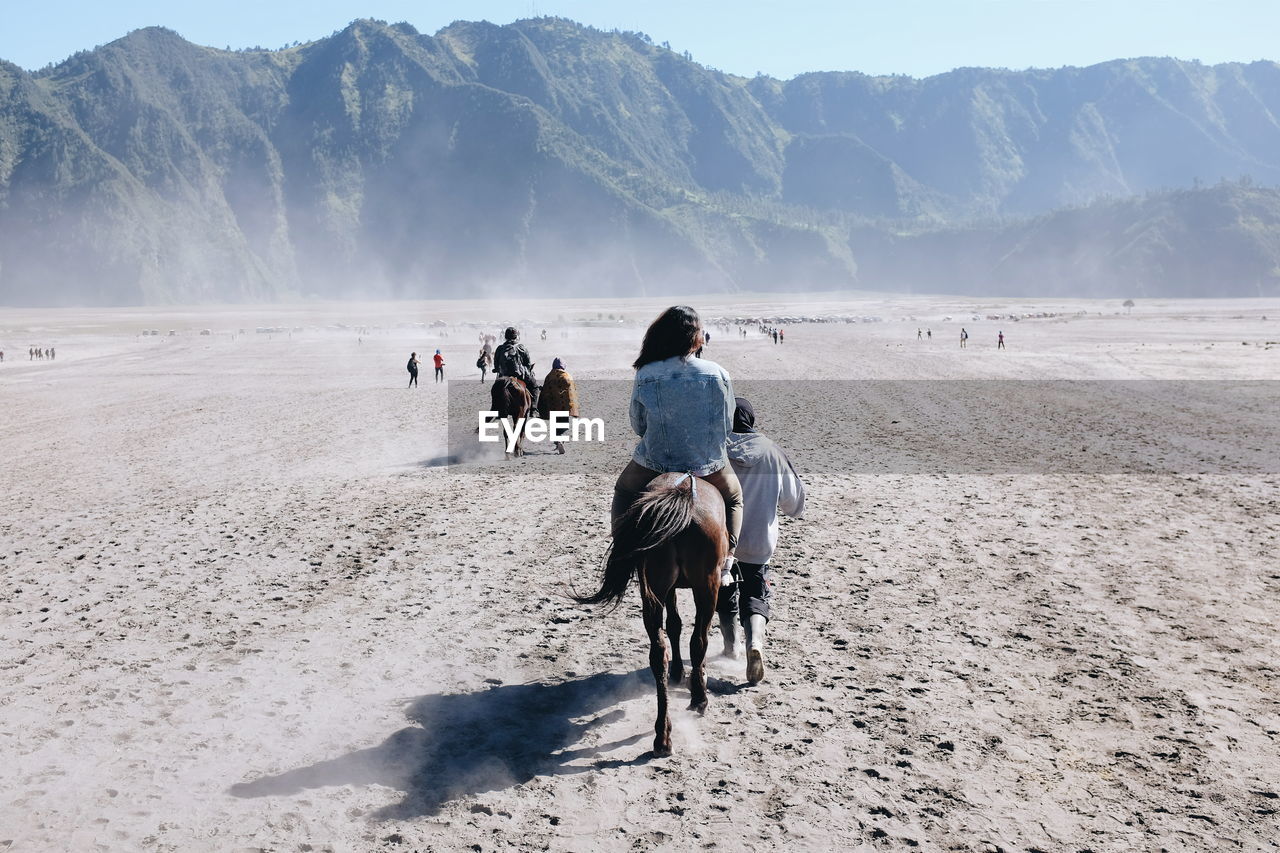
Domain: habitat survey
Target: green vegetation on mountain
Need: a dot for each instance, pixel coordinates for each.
(554, 158)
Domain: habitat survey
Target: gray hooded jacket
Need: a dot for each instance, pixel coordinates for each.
(769, 484)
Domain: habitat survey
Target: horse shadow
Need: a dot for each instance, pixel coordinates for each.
(469, 743)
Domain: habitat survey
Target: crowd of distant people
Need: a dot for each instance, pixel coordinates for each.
(36, 354)
(777, 334)
(922, 334)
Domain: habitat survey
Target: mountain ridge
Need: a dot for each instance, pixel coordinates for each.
(544, 155)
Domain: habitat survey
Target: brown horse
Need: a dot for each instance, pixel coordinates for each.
(673, 536)
(510, 398)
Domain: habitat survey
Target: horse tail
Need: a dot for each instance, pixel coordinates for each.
(658, 516)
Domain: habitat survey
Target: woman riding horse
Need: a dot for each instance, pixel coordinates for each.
(667, 532)
(682, 409)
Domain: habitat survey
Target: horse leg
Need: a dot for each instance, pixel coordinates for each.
(675, 672)
(659, 654)
(522, 416)
(704, 596)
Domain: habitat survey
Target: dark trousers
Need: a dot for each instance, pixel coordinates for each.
(413, 378)
(439, 374)
(750, 595)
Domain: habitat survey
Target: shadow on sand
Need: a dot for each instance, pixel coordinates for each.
(470, 456)
(469, 743)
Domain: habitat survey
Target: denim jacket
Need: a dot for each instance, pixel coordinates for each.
(682, 409)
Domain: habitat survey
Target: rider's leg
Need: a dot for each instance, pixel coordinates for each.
(726, 482)
(535, 391)
(631, 483)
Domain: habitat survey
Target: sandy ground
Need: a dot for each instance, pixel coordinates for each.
(246, 607)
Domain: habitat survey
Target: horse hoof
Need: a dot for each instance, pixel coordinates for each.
(661, 750)
(755, 667)
(698, 705)
(675, 677)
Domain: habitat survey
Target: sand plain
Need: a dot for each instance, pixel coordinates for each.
(244, 604)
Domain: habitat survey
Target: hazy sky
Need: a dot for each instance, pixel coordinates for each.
(916, 37)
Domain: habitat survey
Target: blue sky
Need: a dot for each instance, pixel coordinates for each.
(916, 37)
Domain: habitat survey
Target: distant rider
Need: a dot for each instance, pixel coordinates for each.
(512, 359)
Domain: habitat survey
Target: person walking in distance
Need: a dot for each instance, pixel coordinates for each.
(438, 359)
(964, 337)
(484, 362)
(706, 339)
(412, 367)
(769, 484)
(1000, 340)
(559, 394)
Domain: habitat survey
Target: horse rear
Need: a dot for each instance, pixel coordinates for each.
(672, 537)
(511, 399)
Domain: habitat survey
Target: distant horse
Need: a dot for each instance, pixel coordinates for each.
(672, 537)
(512, 401)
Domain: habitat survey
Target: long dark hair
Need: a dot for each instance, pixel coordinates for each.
(676, 332)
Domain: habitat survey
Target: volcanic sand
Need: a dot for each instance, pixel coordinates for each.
(246, 605)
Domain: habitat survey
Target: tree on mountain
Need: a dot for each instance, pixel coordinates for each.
(1128, 304)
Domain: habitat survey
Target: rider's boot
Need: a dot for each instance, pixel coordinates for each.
(729, 630)
(755, 648)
